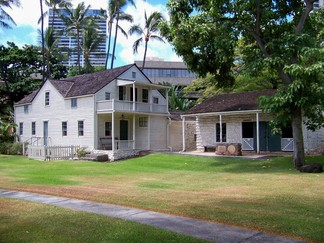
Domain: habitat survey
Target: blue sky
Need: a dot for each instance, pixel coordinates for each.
(26, 31)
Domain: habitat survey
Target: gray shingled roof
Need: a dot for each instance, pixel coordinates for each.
(80, 85)
(231, 102)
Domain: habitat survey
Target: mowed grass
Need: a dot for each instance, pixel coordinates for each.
(30, 222)
(268, 195)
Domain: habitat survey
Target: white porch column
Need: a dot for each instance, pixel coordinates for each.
(258, 132)
(134, 134)
(150, 98)
(134, 98)
(113, 131)
(167, 100)
(183, 134)
(149, 132)
(220, 129)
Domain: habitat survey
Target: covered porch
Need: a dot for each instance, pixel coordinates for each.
(249, 128)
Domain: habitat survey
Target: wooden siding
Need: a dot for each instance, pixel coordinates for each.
(55, 113)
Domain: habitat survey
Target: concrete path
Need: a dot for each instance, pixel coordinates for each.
(196, 228)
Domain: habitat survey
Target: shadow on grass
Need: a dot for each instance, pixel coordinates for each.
(264, 165)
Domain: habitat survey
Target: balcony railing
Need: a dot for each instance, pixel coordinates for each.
(129, 106)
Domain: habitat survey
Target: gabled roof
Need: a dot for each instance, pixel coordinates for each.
(91, 83)
(81, 85)
(231, 102)
(28, 98)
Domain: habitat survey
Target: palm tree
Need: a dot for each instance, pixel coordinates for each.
(50, 48)
(4, 16)
(74, 21)
(92, 37)
(43, 42)
(119, 4)
(55, 5)
(111, 16)
(150, 31)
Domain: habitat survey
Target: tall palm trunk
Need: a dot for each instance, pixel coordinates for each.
(297, 129)
(43, 42)
(79, 51)
(109, 40)
(145, 51)
(115, 41)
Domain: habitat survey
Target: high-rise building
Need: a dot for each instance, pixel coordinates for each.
(68, 43)
(160, 71)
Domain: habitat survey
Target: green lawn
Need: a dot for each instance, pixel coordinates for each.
(30, 222)
(269, 195)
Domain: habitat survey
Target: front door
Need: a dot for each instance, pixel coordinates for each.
(45, 132)
(123, 130)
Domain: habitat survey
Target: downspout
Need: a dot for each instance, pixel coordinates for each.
(168, 135)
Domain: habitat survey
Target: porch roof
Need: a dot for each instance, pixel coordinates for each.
(235, 103)
(124, 82)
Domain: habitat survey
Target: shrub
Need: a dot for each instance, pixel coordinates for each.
(11, 148)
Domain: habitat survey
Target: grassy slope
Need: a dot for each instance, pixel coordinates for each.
(30, 222)
(264, 194)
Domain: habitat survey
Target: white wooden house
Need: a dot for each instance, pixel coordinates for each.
(114, 110)
(237, 118)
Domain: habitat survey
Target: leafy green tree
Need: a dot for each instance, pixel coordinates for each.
(92, 37)
(279, 36)
(18, 67)
(118, 4)
(148, 32)
(55, 5)
(75, 20)
(111, 16)
(5, 18)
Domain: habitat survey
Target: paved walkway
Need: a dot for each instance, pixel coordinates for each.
(196, 228)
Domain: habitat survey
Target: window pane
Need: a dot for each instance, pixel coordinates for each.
(47, 98)
(74, 102)
(80, 128)
(108, 126)
(33, 128)
(145, 96)
(64, 128)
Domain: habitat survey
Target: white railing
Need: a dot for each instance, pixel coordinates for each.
(248, 144)
(287, 144)
(129, 106)
(52, 152)
(124, 144)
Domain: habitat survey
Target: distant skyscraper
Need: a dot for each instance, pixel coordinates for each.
(69, 42)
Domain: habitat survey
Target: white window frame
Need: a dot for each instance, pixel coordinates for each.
(74, 103)
(64, 128)
(142, 121)
(80, 128)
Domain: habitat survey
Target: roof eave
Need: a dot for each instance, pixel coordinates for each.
(222, 113)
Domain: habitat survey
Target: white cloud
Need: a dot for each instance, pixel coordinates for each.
(155, 48)
(29, 13)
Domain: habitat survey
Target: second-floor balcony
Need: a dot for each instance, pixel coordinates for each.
(129, 106)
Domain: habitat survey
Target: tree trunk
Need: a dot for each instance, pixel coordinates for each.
(79, 51)
(43, 41)
(116, 31)
(144, 58)
(109, 39)
(297, 129)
